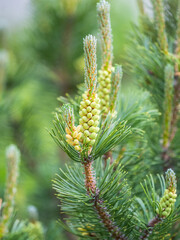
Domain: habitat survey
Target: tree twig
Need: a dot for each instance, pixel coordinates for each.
(90, 183)
(150, 227)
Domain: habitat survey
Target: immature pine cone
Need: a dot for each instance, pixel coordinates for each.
(169, 198)
(89, 118)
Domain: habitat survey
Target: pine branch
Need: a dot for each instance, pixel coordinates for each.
(92, 138)
(150, 227)
(160, 22)
(92, 144)
(79, 205)
(90, 180)
(165, 207)
(90, 183)
(99, 204)
(108, 223)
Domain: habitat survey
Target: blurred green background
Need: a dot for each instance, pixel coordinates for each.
(41, 58)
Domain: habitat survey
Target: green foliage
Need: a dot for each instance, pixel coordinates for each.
(93, 201)
(84, 220)
(131, 117)
(148, 209)
(156, 70)
(99, 199)
(131, 214)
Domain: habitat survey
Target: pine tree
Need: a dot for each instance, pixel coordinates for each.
(100, 199)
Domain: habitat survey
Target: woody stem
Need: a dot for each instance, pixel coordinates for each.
(150, 227)
(90, 184)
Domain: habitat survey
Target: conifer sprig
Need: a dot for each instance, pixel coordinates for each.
(150, 226)
(163, 209)
(13, 160)
(93, 196)
(160, 22)
(95, 215)
(89, 120)
(102, 211)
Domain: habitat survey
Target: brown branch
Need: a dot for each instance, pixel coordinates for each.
(150, 227)
(106, 219)
(90, 183)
